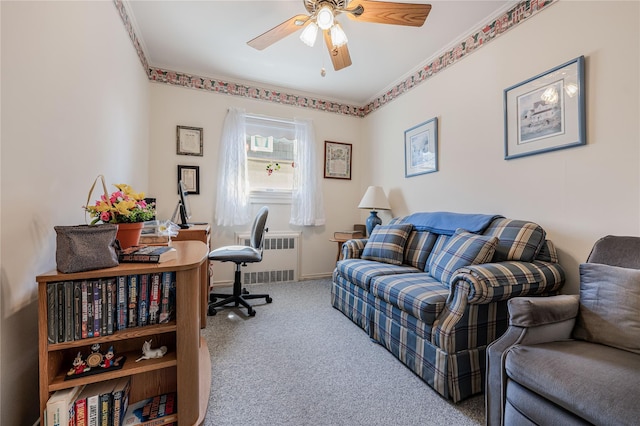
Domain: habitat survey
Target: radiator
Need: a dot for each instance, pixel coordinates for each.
(280, 258)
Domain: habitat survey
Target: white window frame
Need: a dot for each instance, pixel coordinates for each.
(275, 196)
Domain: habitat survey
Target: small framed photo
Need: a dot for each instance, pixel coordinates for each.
(421, 148)
(337, 160)
(190, 176)
(189, 140)
(546, 112)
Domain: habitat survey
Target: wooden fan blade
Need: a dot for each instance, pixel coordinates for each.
(339, 55)
(383, 12)
(279, 32)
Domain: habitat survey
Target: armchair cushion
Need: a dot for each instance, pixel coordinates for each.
(609, 303)
(462, 249)
(386, 243)
(595, 382)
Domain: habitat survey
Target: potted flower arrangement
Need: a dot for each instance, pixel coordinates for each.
(127, 209)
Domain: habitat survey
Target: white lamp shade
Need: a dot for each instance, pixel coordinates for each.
(374, 199)
(309, 34)
(338, 37)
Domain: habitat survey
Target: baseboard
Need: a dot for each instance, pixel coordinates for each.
(308, 277)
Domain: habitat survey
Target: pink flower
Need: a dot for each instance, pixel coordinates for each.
(105, 217)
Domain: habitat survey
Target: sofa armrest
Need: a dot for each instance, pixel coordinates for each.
(532, 320)
(352, 249)
(493, 282)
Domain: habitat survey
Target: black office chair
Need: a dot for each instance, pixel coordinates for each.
(241, 255)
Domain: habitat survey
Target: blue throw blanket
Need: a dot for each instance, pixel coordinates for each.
(446, 222)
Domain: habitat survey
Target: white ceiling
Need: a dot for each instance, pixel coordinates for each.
(208, 39)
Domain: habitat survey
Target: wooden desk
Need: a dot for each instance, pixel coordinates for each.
(200, 233)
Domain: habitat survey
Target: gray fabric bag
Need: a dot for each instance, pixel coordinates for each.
(86, 247)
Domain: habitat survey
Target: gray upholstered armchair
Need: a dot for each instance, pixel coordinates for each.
(571, 359)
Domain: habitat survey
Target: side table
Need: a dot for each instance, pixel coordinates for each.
(340, 242)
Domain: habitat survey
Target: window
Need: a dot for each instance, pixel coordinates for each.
(270, 145)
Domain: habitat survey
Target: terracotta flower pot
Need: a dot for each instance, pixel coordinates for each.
(129, 234)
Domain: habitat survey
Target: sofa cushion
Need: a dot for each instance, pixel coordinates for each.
(596, 382)
(420, 295)
(360, 272)
(609, 305)
(418, 248)
(519, 239)
(386, 243)
(462, 249)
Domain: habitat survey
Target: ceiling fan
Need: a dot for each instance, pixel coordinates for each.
(322, 14)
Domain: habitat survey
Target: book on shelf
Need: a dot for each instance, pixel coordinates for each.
(147, 254)
(167, 297)
(347, 235)
(60, 405)
(111, 306)
(154, 297)
(157, 410)
(97, 307)
(120, 400)
(68, 311)
(121, 297)
(60, 311)
(77, 310)
(143, 299)
(52, 306)
(81, 309)
(132, 315)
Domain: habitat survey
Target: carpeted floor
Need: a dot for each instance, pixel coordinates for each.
(300, 362)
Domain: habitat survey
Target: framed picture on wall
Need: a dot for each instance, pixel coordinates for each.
(421, 148)
(189, 140)
(190, 177)
(337, 160)
(546, 112)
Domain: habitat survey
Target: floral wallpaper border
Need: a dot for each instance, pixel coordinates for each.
(509, 19)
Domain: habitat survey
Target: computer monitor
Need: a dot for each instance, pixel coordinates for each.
(183, 208)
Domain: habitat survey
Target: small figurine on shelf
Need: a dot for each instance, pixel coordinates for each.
(148, 353)
(79, 365)
(110, 359)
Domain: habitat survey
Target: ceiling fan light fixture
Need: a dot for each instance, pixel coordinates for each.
(324, 18)
(309, 34)
(338, 36)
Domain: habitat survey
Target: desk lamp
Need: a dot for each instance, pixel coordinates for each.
(374, 199)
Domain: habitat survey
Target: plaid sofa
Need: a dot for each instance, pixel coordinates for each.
(433, 288)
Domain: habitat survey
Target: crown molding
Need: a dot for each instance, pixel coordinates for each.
(502, 22)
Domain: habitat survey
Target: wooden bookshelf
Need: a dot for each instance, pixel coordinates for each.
(185, 368)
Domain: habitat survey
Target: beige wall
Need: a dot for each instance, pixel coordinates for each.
(75, 103)
(172, 106)
(578, 195)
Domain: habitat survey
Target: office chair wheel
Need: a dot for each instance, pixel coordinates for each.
(211, 311)
(251, 312)
(212, 298)
(268, 299)
(245, 291)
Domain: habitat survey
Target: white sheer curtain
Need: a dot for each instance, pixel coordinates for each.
(307, 207)
(232, 204)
